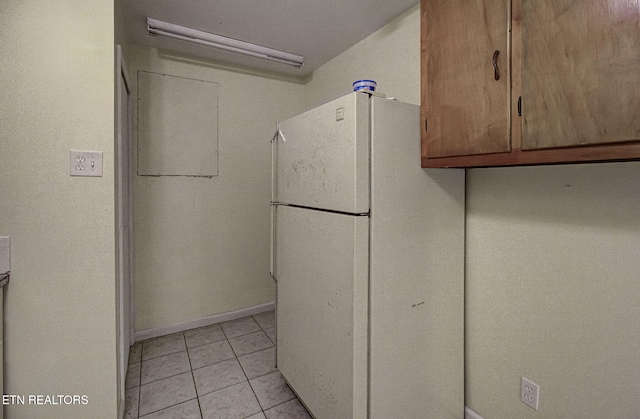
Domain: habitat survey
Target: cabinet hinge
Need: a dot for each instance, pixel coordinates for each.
(520, 106)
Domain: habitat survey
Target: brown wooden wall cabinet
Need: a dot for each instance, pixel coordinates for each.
(526, 82)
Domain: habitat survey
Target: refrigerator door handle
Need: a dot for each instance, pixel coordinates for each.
(272, 250)
(275, 136)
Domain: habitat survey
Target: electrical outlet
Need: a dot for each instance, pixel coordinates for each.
(529, 393)
(85, 163)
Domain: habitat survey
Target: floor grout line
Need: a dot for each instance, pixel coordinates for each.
(168, 407)
(195, 387)
(139, 381)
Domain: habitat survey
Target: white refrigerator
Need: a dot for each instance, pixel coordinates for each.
(368, 257)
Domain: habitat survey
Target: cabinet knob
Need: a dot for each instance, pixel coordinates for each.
(496, 69)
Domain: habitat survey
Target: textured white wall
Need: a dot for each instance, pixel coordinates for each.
(56, 80)
(553, 284)
(560, 242)
(202, 245)
(120, 36)
(390, 56)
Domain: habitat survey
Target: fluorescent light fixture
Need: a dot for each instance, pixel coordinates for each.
(157, 27)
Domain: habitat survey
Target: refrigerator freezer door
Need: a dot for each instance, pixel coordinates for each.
(322, 157)
(321, 264)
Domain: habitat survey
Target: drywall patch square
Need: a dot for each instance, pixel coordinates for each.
(177, 126)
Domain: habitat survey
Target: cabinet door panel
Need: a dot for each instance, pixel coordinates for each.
(467, 109)
(580, 72)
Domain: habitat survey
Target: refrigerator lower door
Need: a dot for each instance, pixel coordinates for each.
(321, 265)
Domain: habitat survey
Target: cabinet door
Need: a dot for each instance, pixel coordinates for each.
(580, 72)
(466, 107)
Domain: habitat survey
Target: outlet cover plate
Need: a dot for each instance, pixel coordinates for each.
(529, 393)
(85, 163)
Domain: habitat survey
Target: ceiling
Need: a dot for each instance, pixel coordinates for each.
(317, 29)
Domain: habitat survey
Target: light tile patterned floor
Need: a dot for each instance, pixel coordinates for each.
(224, 371)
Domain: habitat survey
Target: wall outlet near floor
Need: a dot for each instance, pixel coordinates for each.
(529, 393)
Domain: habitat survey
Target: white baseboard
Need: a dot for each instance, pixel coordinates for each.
(207, 321)
(470, 414)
